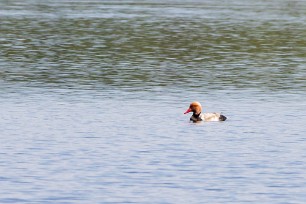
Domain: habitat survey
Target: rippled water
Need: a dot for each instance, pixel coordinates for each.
(93, 95)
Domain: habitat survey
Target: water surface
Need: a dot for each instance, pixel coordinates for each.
(93, 95)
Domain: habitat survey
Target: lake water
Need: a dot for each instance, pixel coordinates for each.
(93, 93)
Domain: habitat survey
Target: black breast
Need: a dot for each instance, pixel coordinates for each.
(196, 118)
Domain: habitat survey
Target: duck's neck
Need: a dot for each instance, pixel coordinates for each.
(196, 115)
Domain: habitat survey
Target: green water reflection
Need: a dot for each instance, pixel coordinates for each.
(145, 45)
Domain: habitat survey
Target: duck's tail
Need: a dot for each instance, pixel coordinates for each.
(222, 118)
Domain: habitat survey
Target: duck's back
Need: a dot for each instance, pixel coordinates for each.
(213, 117)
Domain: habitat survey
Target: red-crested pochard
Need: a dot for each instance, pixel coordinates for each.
(197, 115)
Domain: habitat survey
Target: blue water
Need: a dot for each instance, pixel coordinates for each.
(62, 149)
(92, 109)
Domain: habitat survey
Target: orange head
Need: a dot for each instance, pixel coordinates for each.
(194, 107)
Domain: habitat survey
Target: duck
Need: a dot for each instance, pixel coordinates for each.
(197, 116)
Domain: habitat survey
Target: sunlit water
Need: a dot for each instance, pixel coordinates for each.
(93, 95)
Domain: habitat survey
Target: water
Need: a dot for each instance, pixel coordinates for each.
(93, 95)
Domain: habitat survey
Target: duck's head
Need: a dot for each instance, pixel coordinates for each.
(194, 107)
